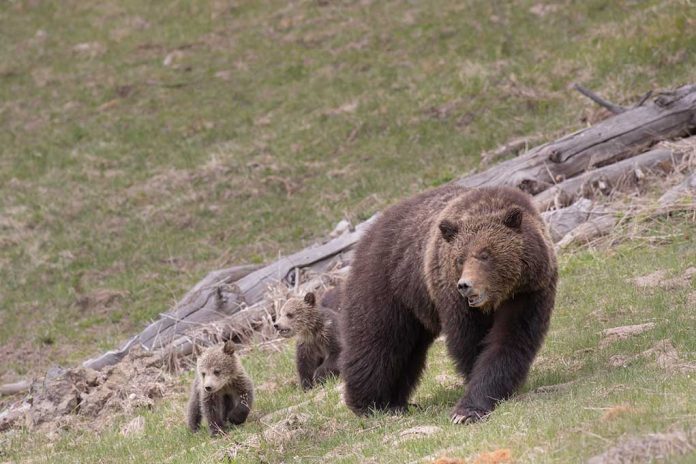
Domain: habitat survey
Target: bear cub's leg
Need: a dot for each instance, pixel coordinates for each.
(307, 362)
(240, 408)
(194, 408)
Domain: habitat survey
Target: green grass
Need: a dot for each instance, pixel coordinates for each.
(566, 425)
(123, 176)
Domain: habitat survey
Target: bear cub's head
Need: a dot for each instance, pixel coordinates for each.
(484, 256)
(296, 314)
(217, 366)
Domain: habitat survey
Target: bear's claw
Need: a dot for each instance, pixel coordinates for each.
(468, 416)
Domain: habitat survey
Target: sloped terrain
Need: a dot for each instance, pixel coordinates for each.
(145, 145)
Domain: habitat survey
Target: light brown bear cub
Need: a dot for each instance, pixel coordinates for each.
(222, 391)
(316, 328)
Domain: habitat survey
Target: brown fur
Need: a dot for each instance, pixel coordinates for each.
(332, 298)
(477, 265)
(222, 391)
(316, 328)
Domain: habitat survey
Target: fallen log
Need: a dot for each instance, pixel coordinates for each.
(596, 226)
(669, 115)
(14, 388)
(606, 179)
(561, 221)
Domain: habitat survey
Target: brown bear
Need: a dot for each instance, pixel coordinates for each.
(476, 264)
(222, 391)
(316, 328)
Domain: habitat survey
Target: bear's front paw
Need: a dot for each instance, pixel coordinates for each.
(468, 415)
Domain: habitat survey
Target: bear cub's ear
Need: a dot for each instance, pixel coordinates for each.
(513, 218)
(228, 348)
(310, 299)
(448, 229)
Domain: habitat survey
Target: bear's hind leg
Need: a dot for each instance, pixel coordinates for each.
(413, 369)
(381, 359)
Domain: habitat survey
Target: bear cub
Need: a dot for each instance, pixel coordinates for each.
(316, 328)
(222, 391)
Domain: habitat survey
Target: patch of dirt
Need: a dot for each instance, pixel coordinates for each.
(286, 430)
(658, 279)
(648, 448)
(100, 300)
(681, 281)
(446, 460)
(68, 398)
(616, 411)
(650, 280)
(493, 457)
(622, 333)
(414, 432)
(663, 352)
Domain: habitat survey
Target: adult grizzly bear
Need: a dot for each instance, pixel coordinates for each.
(476, 264)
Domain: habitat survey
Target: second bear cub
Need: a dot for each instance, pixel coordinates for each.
(222, 391)
(318, 346)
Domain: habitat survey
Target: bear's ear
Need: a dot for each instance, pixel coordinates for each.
(310, 299)
(228, 348)
(513, 218)
(448, 229)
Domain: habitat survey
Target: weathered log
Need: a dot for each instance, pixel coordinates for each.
(596, 226)
(622, 136)
(564, 220)
(606, 178)
(14, 388)
(682, 194)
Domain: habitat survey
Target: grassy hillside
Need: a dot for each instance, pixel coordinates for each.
(598, 402)
(146, 143)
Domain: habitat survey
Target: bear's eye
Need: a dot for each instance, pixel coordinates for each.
(290, 315)
(460, 261)
(483, 256)
(216, 372)
(202, 374)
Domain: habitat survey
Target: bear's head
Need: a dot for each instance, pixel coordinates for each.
(217, 366)
(296, 315)
(484, 256)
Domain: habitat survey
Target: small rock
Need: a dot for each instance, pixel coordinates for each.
(89, 49)
(172, 58)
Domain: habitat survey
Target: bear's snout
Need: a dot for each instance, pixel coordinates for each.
(475, 296)
(465, 287)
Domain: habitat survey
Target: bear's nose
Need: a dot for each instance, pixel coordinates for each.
(208, 388)
(275, 326)
(464, 286)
